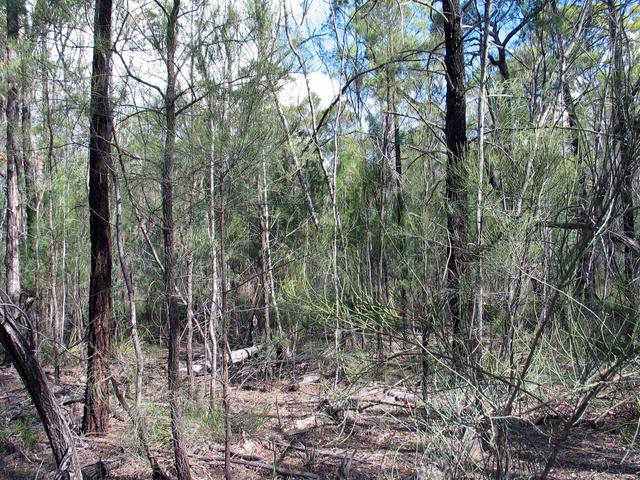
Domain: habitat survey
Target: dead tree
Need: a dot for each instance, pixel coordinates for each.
(456, 139)
(55, 425)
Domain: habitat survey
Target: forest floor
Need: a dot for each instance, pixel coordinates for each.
(367, 430)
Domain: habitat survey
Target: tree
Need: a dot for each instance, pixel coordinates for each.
(15, 17)
(96, 407)
(455, 131)
(168, 231)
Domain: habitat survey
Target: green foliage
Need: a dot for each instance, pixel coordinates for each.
(24, 430)
(158, 424)
(208, 423)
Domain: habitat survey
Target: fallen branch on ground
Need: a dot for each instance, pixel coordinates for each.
(279, 469)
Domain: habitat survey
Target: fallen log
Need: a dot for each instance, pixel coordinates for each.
(100, 470)
(237, 356)
(242, 354)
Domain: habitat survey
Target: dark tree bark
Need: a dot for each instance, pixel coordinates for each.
(30, 371)
(168, 227)
(96, 408)
(456, 139)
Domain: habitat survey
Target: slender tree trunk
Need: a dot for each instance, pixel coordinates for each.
(456, 196)
(226, 390)
(479, 320)
(127, 277)
(334, 243)
(96, 408)
(296, 163)
(15, 15)
(215, 292)
(267, 245)
(32, 179)
(53, 316)
(32, 163)
(168, 227)
(190, 315)
(263, 198)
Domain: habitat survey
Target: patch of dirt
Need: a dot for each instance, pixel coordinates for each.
(301, 423)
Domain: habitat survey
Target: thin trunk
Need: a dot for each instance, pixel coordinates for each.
(215, 292)
(190, 315)
(456, 196)
(168, 229)
(479, 323)
(53, 313)
(334, 243)
(96, 408)
(25, 170)
(31, 162)
(263, 198)
(226, 393)
(296, 163)
(267, 245)
(128, 283)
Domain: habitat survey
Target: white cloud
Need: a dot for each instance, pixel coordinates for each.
(313, 11)
(293, 90)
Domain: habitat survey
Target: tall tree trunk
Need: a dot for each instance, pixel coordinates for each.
(190, 314)
(479, 312)
(456, 196)
(96, 408)
(15, 16)
(267, 245)
(212, 327)
(32, 198)
(337, 333)
(226, 393)
(168, 227)
(31, 160)
(52, 327)
(263, 198)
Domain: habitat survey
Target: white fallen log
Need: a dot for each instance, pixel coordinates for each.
(242, 354)
(237, 356)
(198, 368)
(310, 378)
